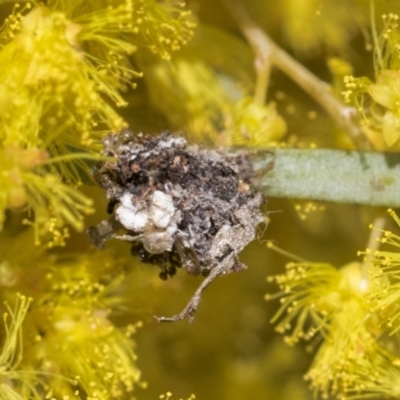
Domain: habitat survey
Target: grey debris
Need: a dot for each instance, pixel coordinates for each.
(178, 206)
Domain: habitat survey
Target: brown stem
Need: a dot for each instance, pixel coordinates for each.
(268, 53)
(263, 71)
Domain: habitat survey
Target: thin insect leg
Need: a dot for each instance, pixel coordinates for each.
(129, 238)
(190, 309)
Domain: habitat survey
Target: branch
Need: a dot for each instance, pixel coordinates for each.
(268, 53)
(329, 175)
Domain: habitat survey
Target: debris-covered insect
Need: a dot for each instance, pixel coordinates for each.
(178, 206)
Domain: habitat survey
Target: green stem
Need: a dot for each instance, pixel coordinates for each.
(329, 175)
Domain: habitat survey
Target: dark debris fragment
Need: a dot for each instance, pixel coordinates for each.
(178, 205)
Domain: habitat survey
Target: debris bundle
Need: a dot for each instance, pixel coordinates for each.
(179, 206)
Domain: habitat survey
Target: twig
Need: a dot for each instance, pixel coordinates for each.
(268, 53)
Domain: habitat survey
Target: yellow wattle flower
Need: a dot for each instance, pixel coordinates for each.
(386, 92)
(318, 298)
(65, 62)
(17, 380)
(379, 102)
(384, 297)
(253, 125)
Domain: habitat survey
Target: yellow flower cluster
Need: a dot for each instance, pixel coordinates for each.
(209, 88)
(68, 345)
(379, 102)
(353, 311)
(50, 101)
(310, 292)
(72, 319)
(384, 272)
(65, 65)
(11, 355)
